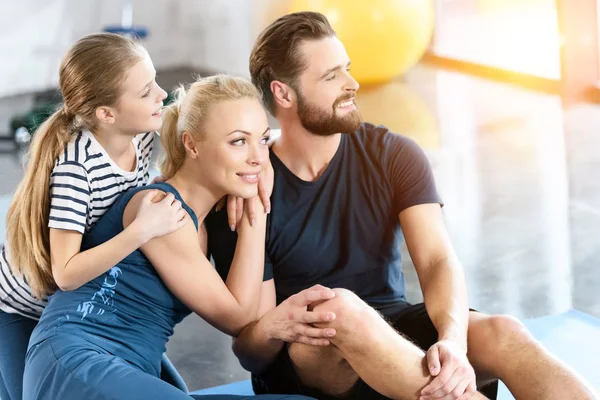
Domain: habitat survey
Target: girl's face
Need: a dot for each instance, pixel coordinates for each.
(138, 109)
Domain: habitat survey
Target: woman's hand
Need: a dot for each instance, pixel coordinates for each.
(236, 205)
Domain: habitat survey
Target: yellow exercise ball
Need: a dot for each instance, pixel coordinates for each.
(511, 5)
(384, 38)
(401, 109)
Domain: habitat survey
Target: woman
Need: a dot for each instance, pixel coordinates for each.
(105, 339)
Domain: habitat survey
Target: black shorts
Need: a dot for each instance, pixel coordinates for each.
(412, 321)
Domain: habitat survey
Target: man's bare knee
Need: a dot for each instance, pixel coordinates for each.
(345, 304)
(505, 334)
(356, 322)
(347, 307)
(496, 340)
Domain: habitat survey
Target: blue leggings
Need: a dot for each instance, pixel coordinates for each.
(68, 368)
(14, 339)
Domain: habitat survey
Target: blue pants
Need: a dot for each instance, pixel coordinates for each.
(68, 368)
(16, 331)
(14, 339)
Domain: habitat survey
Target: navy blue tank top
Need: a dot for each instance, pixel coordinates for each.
(128, 311)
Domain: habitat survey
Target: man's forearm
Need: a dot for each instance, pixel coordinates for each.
(255, 349)
(446, 300)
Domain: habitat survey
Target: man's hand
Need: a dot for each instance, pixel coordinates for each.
(291, 320)
(454, 376)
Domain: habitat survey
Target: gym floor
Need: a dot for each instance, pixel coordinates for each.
(516, 172)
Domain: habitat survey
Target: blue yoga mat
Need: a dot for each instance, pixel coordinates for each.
(573, 336)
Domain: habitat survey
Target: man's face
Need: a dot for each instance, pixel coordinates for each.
(326, 90)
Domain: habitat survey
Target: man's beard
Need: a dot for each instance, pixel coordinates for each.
(319, 122)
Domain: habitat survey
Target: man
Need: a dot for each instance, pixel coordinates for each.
(345, 193)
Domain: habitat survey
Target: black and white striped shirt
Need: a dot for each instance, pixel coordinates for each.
(84, 183)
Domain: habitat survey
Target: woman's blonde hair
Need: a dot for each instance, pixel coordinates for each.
(91, 74)
(189, 111)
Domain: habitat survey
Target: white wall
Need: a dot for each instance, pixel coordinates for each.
(226, 34)
(215, 35)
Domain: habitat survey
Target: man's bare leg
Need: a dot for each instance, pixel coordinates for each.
(365, 346)
(501, 346)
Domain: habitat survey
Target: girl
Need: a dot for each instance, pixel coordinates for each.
(104, 340)
(81, 159)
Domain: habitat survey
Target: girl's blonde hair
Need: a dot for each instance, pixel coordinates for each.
(91, 74)
(189, 111)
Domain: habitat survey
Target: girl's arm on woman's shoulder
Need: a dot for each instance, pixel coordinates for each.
(72, 268)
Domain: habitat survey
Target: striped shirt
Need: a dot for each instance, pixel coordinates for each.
(84, 183)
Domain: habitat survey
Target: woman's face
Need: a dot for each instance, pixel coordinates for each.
(234, 147)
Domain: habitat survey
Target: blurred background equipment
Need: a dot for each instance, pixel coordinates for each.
(126, 27)
(384, 38)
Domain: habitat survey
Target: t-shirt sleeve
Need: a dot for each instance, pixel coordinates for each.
(147, 140)
(268, 273)
(409, 172)
(223, 258)
(222, 243)
(70, 197)
(146, 147)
